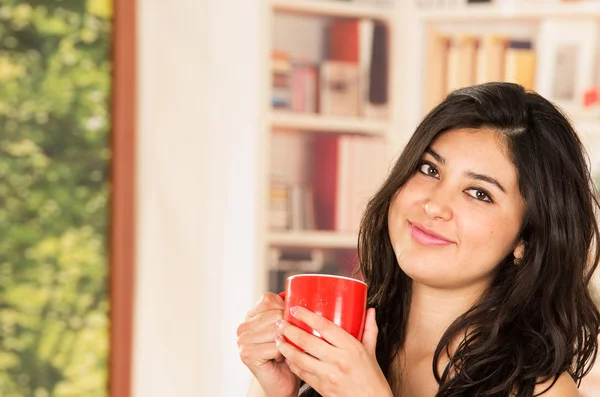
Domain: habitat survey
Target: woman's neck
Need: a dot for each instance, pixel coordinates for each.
(431, 313)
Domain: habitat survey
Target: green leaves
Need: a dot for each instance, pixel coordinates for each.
(54, 153)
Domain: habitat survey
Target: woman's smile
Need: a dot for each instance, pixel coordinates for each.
(427, 237)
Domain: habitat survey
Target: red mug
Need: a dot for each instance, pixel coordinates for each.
(342, 300)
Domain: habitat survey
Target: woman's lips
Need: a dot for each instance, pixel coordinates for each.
(425, 237)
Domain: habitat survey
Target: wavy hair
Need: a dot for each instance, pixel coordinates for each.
(536, 320)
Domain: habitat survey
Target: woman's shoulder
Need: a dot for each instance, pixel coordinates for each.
(564, 387)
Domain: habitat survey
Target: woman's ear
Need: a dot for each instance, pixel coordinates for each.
(519, 251)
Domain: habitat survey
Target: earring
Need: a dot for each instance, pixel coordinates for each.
(517, 261)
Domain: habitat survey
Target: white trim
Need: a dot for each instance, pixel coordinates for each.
(333, 8)
(327, 276)
(500, 12)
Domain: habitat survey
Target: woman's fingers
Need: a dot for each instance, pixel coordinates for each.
(309, 378)
(256, 335)
(268, 301)
(302, 364)
(369, 339)
(260, 320)
(261, 334)
(332, 333)
(311, 344)
(258, 354)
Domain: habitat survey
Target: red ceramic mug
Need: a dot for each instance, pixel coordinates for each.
(341, 300)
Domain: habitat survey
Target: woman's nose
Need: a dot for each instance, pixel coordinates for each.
(437, 207)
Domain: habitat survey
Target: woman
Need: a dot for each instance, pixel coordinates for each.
(478, 251)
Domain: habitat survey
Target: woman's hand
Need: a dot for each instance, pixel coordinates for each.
(343, 367)
(258, 351)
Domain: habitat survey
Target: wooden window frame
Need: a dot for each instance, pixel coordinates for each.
(122, 239)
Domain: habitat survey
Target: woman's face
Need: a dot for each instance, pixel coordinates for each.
(459, 214)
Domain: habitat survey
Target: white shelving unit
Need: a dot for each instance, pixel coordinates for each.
(500, 13)
(407, 28)
(313, 239)
(331, 8)
(282, 121)
(510, 11)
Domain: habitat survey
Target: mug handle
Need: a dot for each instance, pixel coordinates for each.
(282, 294)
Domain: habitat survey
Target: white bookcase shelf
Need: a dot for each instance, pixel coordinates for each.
(511, 12)
(331, 8)
(313, 239)
(287, 120)
(301, 29)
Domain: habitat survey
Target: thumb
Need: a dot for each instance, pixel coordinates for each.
(369, 339)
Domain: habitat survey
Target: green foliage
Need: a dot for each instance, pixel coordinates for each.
(54, 92)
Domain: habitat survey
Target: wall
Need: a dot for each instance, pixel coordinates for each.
(198, 126)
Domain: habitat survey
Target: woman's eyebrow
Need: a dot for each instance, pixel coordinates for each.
(485, 178)
(436, 156)
(469, 174)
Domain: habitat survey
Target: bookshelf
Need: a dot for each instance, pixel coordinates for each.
(301, 29)
(532, 21)
(409, 27)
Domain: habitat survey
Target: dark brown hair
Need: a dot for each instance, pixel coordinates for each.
(536, 320)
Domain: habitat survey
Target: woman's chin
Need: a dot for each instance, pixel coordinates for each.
(425, 272)
(442, 277)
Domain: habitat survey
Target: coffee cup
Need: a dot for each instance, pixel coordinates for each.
(341, 300)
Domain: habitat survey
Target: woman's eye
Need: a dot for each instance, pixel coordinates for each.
(480, 195)
(429, 170)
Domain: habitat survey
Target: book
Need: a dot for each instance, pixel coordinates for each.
(304, 83)
(281, 97)
(344, 40)
(491, 59)
(520, 63)
(289, 158)
(308, 208)
(280, 62)
(339, 84)
(301, 208)
(378, 72)
(462, 61)
(437, 68)
(296, 208)
(280, 80)
(330, 179)
(281, 69)
(363, 42)
(365, 56)
(368, 169)
(279, 211)
(347, 171)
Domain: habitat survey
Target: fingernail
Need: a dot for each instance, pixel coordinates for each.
(293, 310)
(277, 339)
(278, 323)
